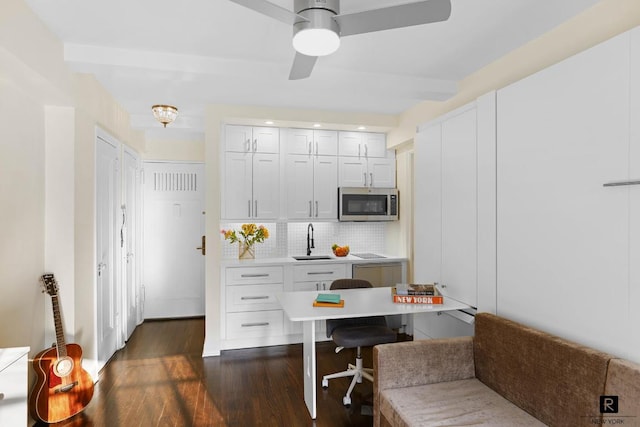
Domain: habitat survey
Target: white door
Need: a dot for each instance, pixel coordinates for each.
(173, 232)
(107, 248)
(130, 240)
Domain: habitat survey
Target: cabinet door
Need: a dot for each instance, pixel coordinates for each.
(427, 212)
(459, 207)
(237, 186)
(299, 186)
(381, 173)
(352, 172)
(325, 187)
(266, 186)
(325, 142)
(350, 144)
(375, 144)
(266, 140)
(300, 141)
(238, 138)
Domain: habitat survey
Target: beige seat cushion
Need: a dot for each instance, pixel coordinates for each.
(454, 403)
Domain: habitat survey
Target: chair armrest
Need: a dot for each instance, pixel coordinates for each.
(413, 363)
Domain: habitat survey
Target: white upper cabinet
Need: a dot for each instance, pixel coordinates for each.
(312, 187)
(362, 144)
(312, 142)
(251, 186)
(245, 139)
(361, 172)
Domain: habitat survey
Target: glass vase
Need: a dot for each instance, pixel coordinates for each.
(246, 251)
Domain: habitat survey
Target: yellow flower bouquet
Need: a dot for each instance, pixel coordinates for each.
(247, 236)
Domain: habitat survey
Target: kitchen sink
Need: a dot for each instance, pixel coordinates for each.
(311, 257)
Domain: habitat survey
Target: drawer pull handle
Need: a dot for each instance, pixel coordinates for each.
(320, 272)
(255, 275)
(261, 297)
(620, 183)
(248, 325)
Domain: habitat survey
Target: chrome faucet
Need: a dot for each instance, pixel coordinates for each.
(310, 244)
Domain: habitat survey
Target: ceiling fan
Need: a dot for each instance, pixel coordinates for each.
(318, 24)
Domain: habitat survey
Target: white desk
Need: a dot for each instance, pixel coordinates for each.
(357, 303)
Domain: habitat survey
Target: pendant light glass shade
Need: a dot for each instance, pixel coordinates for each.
(165, 114)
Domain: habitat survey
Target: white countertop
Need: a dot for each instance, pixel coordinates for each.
(290, 260)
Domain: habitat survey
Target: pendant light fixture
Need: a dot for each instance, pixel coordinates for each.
(165, 114)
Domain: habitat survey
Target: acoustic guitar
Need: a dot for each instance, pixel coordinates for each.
(63, 388)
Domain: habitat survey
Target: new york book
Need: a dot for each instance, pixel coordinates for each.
(437, 298)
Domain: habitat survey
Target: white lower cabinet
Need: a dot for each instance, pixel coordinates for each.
(315, 277)
(13, 386)
(252, 315)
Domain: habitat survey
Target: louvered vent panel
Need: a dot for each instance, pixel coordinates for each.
(175, 181)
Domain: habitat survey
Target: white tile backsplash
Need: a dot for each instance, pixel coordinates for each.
(287, 239)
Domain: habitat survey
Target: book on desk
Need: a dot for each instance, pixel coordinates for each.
(416, 294)
(328, 300)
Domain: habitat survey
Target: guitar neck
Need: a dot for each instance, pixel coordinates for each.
(61, 345)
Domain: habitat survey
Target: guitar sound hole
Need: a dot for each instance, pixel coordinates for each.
(63, 366)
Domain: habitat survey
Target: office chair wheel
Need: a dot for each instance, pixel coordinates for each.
(325, 383)
(346, 401)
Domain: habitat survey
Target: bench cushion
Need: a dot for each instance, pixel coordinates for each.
(463, 402)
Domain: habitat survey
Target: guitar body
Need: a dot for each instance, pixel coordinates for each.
(63, 388)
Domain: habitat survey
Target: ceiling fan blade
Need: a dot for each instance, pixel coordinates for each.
(386, 18)
(302, 66)
(272, 10)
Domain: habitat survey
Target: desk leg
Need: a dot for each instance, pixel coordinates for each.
(309, 365)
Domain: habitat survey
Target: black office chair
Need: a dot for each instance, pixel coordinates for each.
(356, 333)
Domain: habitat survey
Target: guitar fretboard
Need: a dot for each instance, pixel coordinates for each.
(61, 345)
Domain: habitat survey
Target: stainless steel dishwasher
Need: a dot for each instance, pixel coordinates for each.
(382, 274)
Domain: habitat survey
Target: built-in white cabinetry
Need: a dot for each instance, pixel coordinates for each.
(568, 246)
(316, 277)
(251, 187)
(362, 144)
(365, 161)
(246, 139)
(13, 386)
(454, 210)
(312, 142)
(251, 310)
(311, 174)
(367, 172)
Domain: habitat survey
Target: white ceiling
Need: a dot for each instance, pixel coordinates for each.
(194, 53)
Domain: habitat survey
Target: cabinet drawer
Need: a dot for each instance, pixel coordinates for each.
(13, 383)
(255, 324)
(254, 275)
(253, 297)
(326, 272)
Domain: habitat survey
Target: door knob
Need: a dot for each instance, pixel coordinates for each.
(203, 245)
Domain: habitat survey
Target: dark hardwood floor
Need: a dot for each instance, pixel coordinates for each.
(161, 379)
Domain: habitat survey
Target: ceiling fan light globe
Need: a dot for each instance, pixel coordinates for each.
(316, 41)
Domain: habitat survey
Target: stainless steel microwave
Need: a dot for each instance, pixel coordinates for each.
(367, 204)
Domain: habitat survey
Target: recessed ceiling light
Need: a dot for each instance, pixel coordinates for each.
(268, 122)
(317, 125)
(361, 127)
